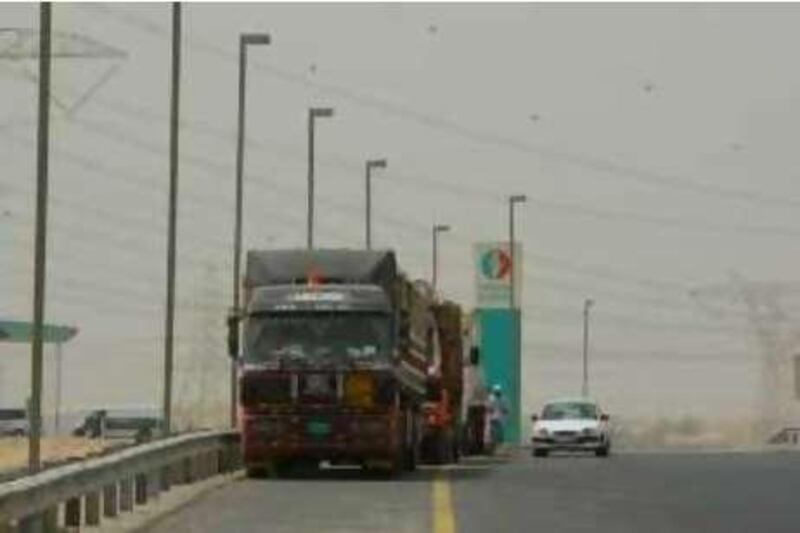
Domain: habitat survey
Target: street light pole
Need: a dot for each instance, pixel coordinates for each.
(373, 163)
(313, 114)
(172, 217)
(587, 305)
(513, 200)
(437, 229)
(244, 40)
(40, 251)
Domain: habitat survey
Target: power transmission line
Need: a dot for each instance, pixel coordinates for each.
(484, 194)
(603, 167)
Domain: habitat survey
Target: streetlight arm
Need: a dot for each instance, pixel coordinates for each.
(255, 38)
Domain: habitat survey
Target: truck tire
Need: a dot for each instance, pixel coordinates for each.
(442, 449)
(255, 472)
(412, 451)
(282, 469)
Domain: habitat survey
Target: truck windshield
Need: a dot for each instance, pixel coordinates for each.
(317, 337)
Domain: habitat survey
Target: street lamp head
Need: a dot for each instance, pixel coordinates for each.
(321, 112)
(255, 38)
(438, 228)
(588, 303)
(377, 163)
(517, 198)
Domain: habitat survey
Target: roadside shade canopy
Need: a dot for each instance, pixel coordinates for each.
(22, 332)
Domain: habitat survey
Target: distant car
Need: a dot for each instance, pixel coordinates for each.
(14, 422)
(571, 425)
(138, 425)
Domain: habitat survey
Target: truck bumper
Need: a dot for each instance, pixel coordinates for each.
(346, 438)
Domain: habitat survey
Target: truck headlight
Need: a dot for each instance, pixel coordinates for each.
(589, 432)
(359, 390)
(542, 432)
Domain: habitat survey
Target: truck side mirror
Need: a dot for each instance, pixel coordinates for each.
(233, 335)
(404, 328)
(474, 356)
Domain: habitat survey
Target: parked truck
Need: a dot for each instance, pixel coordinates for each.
(442, 420)
(337, 357)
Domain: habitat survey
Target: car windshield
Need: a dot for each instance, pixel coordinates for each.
(317, 337)
(12, 414)
(569, 411)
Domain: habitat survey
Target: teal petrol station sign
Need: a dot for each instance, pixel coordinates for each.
(493, 271)
(500, 362)
(497, 323)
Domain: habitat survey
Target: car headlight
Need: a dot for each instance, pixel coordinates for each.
(542, 432)
(590, 432)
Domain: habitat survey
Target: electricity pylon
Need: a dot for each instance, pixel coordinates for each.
(763, 306)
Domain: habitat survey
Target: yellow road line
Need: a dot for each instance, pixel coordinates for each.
(444, 520)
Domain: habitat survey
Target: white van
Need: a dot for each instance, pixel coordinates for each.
(14, 422)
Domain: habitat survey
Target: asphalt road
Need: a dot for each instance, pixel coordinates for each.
(650, 493)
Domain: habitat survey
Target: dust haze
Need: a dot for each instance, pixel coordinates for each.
(656, 144)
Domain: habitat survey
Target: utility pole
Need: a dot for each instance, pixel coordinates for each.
(516, 343)
(373, 163)
(169, 328)
(40, 253)
(313, 114)
(587, 305)
(59, 382)
(244, 41)
(437, 229)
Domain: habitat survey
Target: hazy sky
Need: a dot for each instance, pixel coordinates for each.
(657, 145)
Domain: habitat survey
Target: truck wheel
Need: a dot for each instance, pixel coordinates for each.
(443, 449)
(410, 458)
(602, 451)
(255, 472)
(539, 452)
(282, 469)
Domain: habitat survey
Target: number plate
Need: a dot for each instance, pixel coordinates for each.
(318, 428)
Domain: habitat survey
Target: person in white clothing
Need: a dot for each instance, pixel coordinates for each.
(498, 412)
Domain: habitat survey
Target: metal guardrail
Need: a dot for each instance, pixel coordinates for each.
(7, 475)
(119, 480)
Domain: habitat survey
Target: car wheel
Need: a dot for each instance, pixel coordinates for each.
(602, 451)
(539, 452)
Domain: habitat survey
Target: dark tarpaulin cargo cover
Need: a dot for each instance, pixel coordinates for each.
(340, 266)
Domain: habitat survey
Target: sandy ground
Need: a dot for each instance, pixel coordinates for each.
(14, 450)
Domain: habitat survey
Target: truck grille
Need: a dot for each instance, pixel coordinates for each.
(264, 388)
(318, 388)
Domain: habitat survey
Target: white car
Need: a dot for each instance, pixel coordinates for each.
(571, 425)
